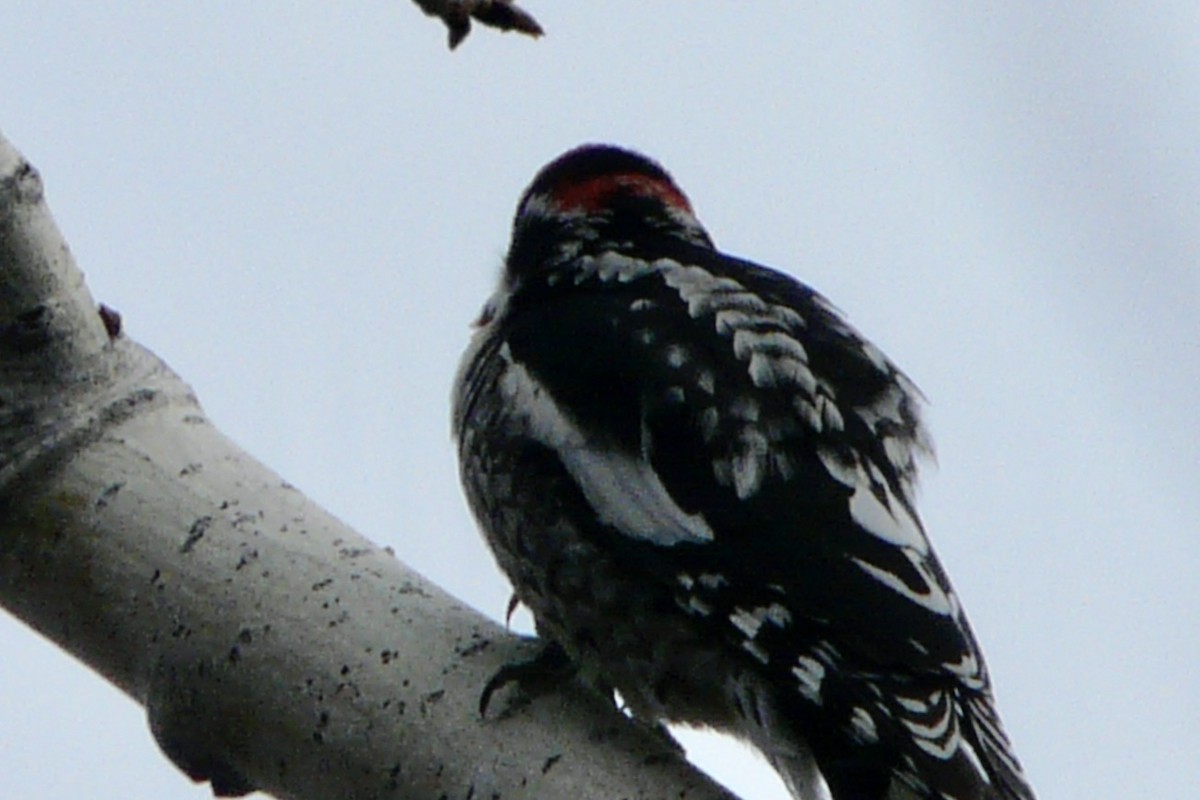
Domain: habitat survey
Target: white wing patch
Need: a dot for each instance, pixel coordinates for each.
(811, 674)
(628, 494)
(755, 649)
(969, 670)
(934, 597)
(904, 437)
(863, 725)
(886, 518)
(935, 722)
(889, 520)
(760, 331)
(766, 337)
(624, 490)
(750, 621)
(877, 511)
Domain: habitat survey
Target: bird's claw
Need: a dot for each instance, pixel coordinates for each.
(546, 670)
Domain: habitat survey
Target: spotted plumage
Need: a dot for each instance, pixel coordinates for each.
(700, 479)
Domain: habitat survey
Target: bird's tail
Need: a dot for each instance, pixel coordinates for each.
(1007, 778)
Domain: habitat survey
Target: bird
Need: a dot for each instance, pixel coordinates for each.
(700, 479)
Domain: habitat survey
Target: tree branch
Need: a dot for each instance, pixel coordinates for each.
(272, 647)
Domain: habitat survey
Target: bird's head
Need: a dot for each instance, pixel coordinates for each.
(599, 197)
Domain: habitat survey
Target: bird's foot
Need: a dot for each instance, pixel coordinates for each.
(548, 669)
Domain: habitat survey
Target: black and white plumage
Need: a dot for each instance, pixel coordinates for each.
(700, 480)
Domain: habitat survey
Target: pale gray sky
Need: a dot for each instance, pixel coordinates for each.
(301, 206)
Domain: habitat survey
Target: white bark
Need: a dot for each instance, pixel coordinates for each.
(272, 647)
